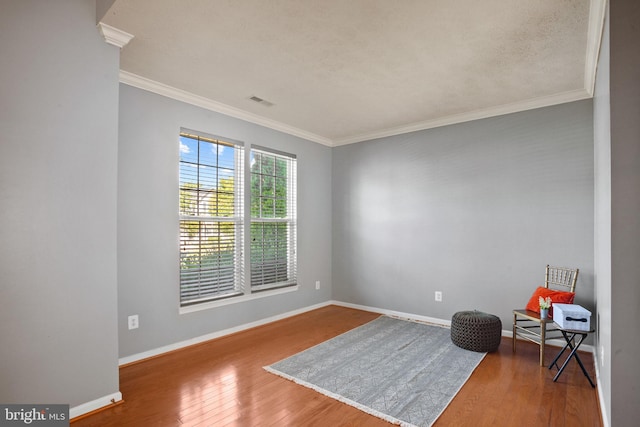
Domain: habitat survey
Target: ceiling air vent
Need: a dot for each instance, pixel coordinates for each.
(261, 101)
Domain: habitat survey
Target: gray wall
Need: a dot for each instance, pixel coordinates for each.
(471, 208)
(602, 149)
(475, 210)
(625, 210)
(102, 7)
(148, 221)
(58, 176)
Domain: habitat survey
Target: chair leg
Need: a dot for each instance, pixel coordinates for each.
(543, 330)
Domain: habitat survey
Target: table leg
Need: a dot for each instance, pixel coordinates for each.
(572, 354)
(584, 371)
(568, 344)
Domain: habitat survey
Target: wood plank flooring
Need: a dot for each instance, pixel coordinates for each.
(222, 383)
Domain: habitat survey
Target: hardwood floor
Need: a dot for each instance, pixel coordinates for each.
(222, 383)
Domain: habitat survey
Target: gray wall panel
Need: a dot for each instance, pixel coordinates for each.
(602, 238)
(625, 210)
(475, 210)
(58, 176)
(148, 221)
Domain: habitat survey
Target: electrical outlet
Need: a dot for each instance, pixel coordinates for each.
(439, 296)
(133, 322)
(317, 284)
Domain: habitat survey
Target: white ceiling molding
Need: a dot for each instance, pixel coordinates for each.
(208, 104)
(337, 80)
(114, 36)
(513, 64)
(531, 104)
(594, 40)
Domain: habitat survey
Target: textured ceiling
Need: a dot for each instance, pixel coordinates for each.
(342, 71)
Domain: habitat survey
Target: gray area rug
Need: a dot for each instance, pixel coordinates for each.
(402, 371)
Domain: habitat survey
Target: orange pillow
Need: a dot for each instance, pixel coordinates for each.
(561, 297)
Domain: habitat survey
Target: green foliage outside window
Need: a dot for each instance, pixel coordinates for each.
(209, 224)
(270, 240)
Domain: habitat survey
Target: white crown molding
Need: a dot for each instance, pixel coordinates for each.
(597, 13)
(544, 101)
(208, 104)
(113, 35)
(594, 37)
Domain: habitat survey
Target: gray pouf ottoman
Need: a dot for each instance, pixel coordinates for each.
(476, 331)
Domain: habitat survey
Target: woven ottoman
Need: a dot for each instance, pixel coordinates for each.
(476, 331)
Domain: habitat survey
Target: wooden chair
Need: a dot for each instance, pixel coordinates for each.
(528, 325)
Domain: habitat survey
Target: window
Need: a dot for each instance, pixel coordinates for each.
(211, 218)
(212, 225)
(273, 220)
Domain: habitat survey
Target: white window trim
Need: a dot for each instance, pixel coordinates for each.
(243, 187)
(240, 223)
(236, 299)
(291, 219)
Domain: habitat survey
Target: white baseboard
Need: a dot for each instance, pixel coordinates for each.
(394, 313)
(603, 408)
(441, 322)
(197, 340)
(505, 333)
(101, 402)
(116, 397)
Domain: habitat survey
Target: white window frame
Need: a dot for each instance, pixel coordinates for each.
(243, 290)
(237, 218)
(289, 218)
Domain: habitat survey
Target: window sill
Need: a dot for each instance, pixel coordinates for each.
(236, 300)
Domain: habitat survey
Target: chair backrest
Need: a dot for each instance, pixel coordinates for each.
(560, 277)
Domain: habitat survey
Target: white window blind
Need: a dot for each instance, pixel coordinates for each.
(273, 219)
(211, 218)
